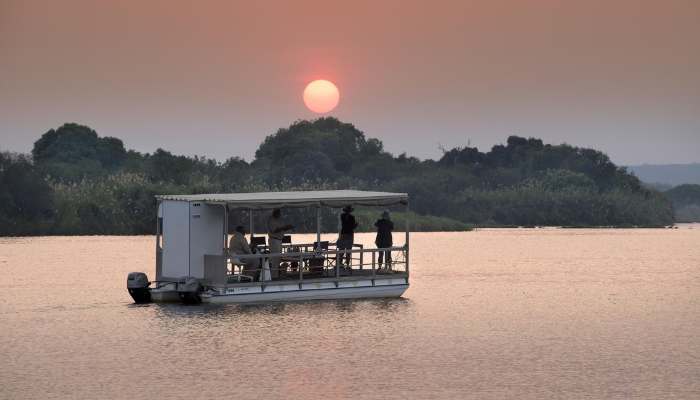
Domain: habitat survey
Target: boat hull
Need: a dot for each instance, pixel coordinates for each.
(165, 294)
(335, 293)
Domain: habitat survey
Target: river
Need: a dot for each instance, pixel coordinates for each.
(490, 314)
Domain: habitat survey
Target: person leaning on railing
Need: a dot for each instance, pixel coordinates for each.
(384, 238)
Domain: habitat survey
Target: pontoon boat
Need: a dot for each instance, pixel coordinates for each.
(194, 263)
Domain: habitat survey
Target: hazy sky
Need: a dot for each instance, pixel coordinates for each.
(215, 77)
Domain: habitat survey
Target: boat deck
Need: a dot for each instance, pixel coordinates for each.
(344, 276)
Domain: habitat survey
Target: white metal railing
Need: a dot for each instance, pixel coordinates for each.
(318, 263)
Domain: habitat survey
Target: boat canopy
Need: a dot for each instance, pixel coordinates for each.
(268, 200)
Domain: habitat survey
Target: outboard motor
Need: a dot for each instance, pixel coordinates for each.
(137, 283)
(188, 289)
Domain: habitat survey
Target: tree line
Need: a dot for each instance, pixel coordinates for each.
(76, 182)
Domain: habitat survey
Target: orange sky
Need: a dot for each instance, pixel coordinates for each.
(215, 77)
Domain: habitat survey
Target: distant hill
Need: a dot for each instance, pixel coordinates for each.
(669, 174)
(686, 202)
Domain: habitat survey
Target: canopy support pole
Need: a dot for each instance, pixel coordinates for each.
(407, 237)
(250, 214)
(225, 226)
(318, 227)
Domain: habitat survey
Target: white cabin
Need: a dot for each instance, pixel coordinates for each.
(190, 230)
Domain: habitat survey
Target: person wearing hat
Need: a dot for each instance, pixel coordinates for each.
(347, 235)
(384, 238)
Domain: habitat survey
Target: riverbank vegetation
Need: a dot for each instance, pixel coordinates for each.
(76, 182)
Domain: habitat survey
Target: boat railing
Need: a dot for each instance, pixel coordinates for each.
(364, 263)
(357, 257)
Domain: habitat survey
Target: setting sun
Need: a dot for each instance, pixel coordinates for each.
(321, 96)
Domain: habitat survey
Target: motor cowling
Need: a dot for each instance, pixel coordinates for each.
(188, 289)
(138, 285)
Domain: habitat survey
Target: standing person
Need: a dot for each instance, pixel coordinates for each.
(384, 238)
(347, 235)
(275, 232)
(239, 248)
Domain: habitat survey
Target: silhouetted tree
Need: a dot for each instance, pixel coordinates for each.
(74, 151)
(26, 200)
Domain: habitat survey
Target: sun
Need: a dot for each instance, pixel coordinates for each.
(321, 96)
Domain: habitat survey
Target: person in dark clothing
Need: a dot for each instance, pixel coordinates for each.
(384, 238)
(347, 234)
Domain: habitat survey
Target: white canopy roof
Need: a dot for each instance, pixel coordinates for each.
(328, 198)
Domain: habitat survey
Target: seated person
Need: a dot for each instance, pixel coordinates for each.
(238, 246)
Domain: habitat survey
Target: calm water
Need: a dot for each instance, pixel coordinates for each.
(521, 313)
